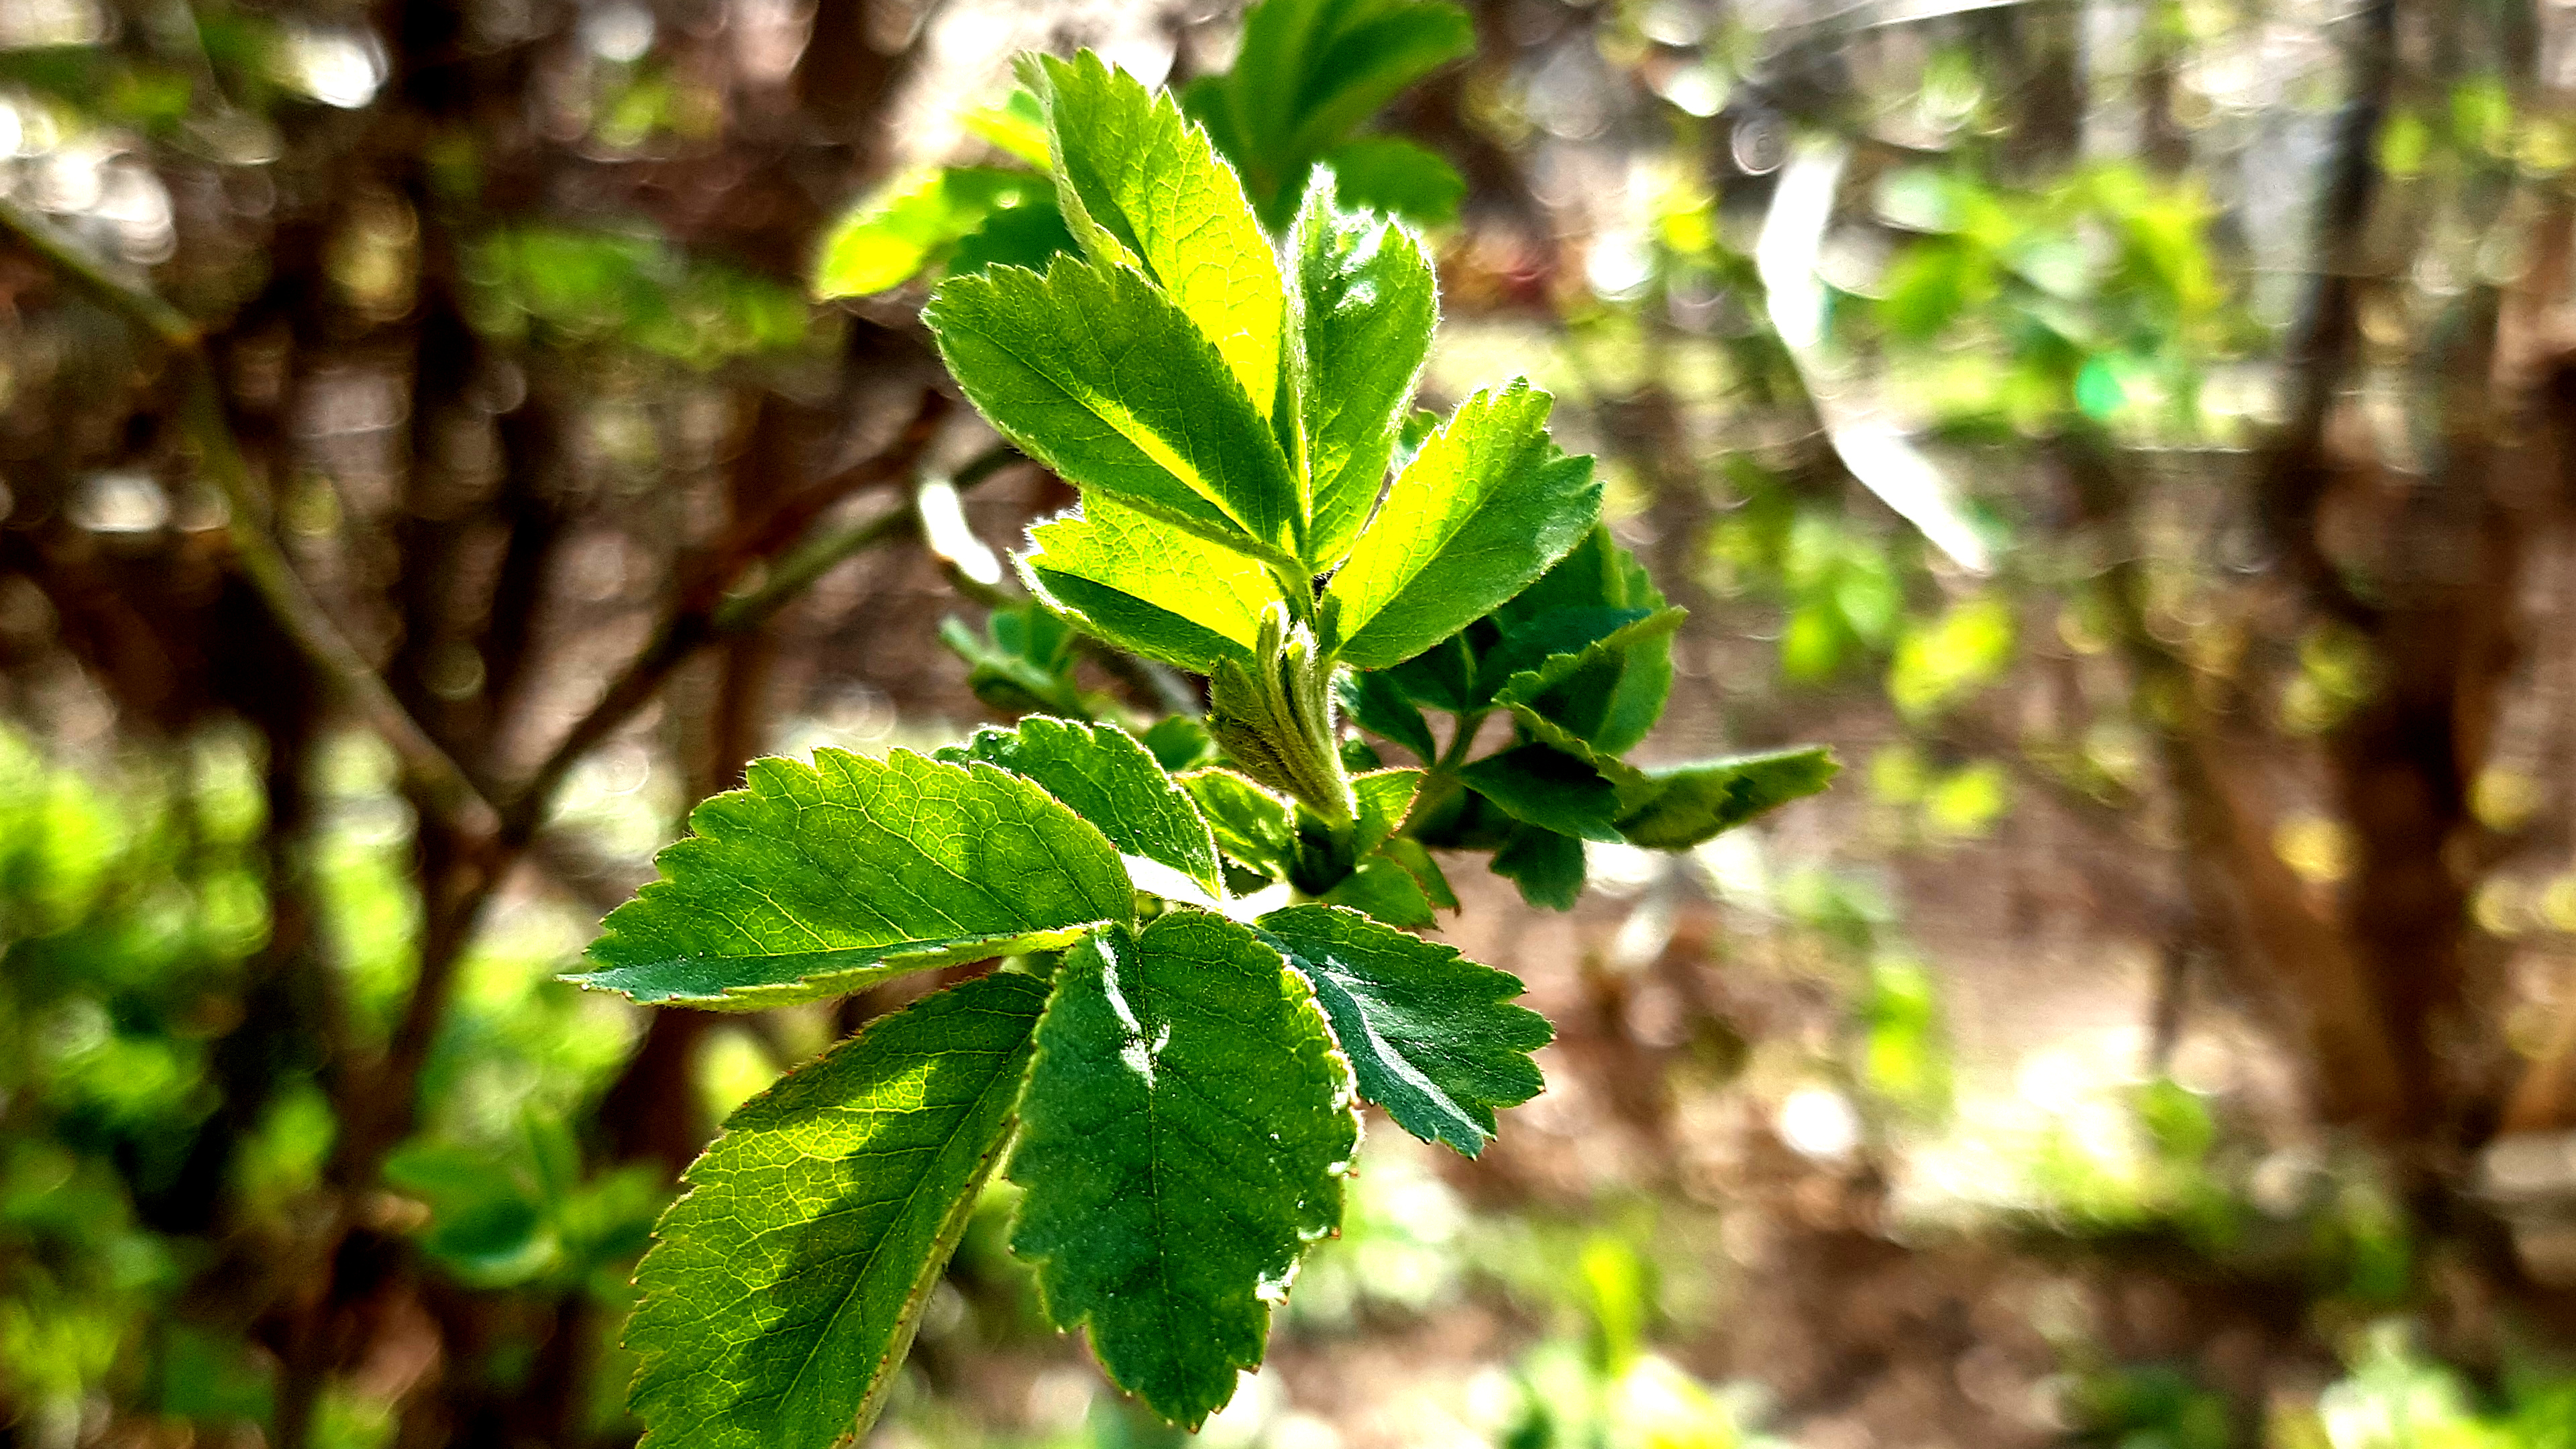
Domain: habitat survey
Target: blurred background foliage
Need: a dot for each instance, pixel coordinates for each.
(440, 439)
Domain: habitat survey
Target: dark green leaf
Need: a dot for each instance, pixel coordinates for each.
(1431, 1035)
(1096, 374)
(1179, 742)
(1441, 677)
(1108, 779)
(1544, 786)
(1378, 705)
(787, 1283)
(1185, 1130)
(1391, 174)
(1486, 506)
(1559, 633)
(1692, 803)
(1029, 235)
(817, 880)
(1599, 574)
(1580, 691)
(1546, 865)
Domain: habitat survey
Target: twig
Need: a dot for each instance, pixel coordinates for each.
(442, 782)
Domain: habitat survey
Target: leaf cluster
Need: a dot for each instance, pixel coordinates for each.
(1201, 922)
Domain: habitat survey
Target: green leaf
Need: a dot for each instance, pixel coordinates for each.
(1378, 704)
(1017, 127)
(887, 239)
(1362, 56)
(1486, 506)
(817, 880)
(1417, 862)
(1580, 691)
(1147, 590)
(1391, 174)
(787, 1284)
(1022, 662)
(1382, 888)
(1029, 235)
(1094, 373)
(1141, 187)
(1179, 742)
(1646, 678)
(1620, 696)
(1546, 864)
(1251, 824)
(1442, 677)
(1431, 1035)
(1185, 1131)
(1559, 634)
(1365, 301)
(1310, 70)
(1541, 785)
(1695, 802)
(1107, 778)
(1384, 797)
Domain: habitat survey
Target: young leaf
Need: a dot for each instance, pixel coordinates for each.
(1431, 1035)
(1365, 299)
(1022, 663)
(786, 1285)
(817, 880)
(1393, 175)
(1544, 786)
(1107, 778)
(1097, 375)
(1692, 803)
(1382, 888)
(1384, 797)
(1147, 589)
(1251, 824)
(1185, 1130)
(1546, 864)
(1141, 187)
(1417, 862)
(1485, 507)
